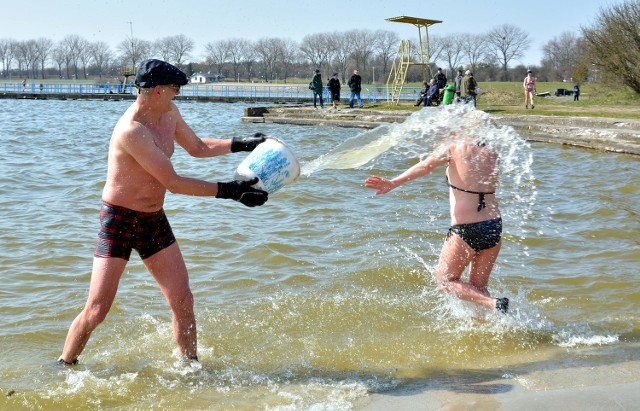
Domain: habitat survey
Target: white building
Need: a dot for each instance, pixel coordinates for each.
(199, 78)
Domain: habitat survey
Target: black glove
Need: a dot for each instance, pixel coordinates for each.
(246, 143)
(243, 192)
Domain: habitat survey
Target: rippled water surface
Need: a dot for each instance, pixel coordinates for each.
(326, 293)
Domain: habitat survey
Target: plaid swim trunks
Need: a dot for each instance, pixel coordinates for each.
(123, 230)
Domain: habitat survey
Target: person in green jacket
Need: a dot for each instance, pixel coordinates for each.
(468, 88)
(317, 87)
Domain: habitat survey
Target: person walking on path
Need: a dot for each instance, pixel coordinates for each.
(474, 238)
(529, 89)
(334, 88)
(139, 174)
(317, 87)
(355, 84)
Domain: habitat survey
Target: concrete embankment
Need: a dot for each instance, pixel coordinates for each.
(608, 134)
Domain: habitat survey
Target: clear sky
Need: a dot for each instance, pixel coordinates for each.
(204, 21)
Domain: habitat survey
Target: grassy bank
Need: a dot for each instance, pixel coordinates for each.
(596, 100)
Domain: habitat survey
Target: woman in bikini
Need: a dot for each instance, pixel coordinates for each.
(474, 237)
(529, 89)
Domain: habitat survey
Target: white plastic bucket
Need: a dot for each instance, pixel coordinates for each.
(273, 163)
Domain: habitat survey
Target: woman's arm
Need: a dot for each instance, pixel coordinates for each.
(421, 169)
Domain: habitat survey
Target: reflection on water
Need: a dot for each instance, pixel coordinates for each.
(325, 294)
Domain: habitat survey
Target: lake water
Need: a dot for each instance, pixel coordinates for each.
(324, 295)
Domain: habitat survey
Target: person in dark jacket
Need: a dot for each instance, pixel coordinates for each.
(334, 88)
(317, 88)
(429, 94)
(355, 84)
(576, 92)
(441, 79)
(433, 94)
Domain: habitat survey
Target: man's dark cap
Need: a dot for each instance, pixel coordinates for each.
(151, 73)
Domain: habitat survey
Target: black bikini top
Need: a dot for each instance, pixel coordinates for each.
(481, 203)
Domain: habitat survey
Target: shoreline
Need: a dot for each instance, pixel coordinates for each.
(598, 133)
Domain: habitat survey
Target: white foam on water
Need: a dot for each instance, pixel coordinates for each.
(567, 339)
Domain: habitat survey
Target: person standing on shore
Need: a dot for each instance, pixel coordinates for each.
(334, 88)
(474, 238)
(529, 89)
(458, 82)
(139, 174)
(317, 88)
(468, 88)
(355, 84)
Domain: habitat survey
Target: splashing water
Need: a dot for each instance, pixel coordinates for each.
(425, 130)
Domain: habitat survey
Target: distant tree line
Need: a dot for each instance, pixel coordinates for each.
(568, 57)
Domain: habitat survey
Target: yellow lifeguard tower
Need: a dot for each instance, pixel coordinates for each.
(404, 58)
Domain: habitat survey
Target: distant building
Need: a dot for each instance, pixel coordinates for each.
(199, 78)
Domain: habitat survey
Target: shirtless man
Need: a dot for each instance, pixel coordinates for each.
(476, 225)
(132, 217)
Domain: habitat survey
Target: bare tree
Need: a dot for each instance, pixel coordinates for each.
(84, 55)
(60, 57)
(269, 51)
(453, 50)
(290, 55)
(27, 54)
(248, 57)
(43, 47)
(236, 48)
(217, 53)
(561, 55)
(133, 50)
(7, 54)
(614, 42)
(342, 47)
(363, 48)
(507, 42)
(475, 48)
(385, 46)
(174, 49)
(161, 49)
(101, 55)
(315, 47)
(76, 49)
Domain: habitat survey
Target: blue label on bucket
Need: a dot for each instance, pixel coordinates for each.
(272, 169)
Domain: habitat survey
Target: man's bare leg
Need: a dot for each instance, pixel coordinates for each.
(105, 277)
(169, 270)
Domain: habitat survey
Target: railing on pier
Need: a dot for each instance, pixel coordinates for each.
(371, 94)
